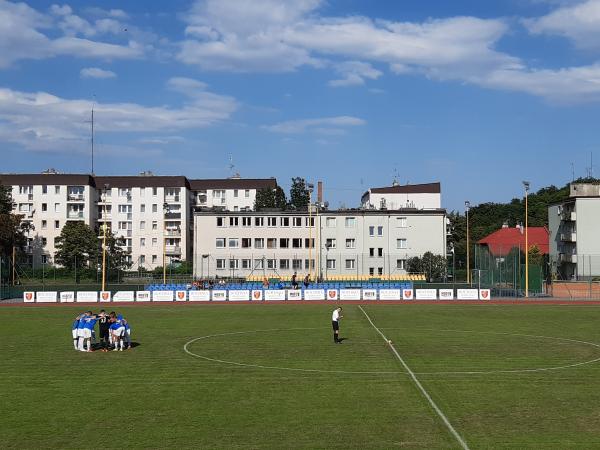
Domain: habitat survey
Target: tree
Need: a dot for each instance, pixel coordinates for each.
(270, 198)
(299, 195)
(536, 258)
(116, 258)
(12, 231)
(77, 246)
(433, 266)
(5, 200)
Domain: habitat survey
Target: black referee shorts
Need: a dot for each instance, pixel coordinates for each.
(335, 325)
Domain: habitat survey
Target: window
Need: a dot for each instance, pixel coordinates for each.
(142, 208)
(350, 264)
(44, 207)
(259, 243)
(246, 221)
(235, 193)
(350, 222)
(401, 264)
(142, 259)
(154, 208)
(220, 221)
(234, 242)
(371, 252)
(25, 189)
(44, 259)
(330, 222)
(284, 243)
(259, 221)
(284, 264)
(401, 222)
(44, 241)
(271, 264)
(202, 197)
(401, 243)
(154, 225)
(297, 221)
(371, 271)
(272, 221)
(220, 243)
(330, 243)
(309, 243)
(44, 189)
(142, 192)
(271, 243)
(44, 224)
(310, 221)
(284, 221)
(306, 265)
(380, 231)
(154, 242)
(296, 243)
(143, 225)
(57, 224)
(57, 190)
(380, 271)
(246, 242)
(234, 264)
(247, 193)
(350, 243)
(371, 230)
(259, 263)
(154, 259)
(331, 263)
(142, 242)
(220, 264)
(57, 207)
(380, 252)
(124, 192)
(233, 222)
(296, 264)
(124, 209)
(246, 264)
(154, 191)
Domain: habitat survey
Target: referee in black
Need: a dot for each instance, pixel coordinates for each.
(335, 323)
(103, 326)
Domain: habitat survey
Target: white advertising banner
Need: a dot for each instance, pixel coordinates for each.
(123, 296)
(46, 297)
(67, 297)
(407, 294)
(485, 294)
(29, 297)
(314, 294)
(219, 296)
(446, 294)
(467, 294)
(87, 296)
(426, 294)
(143, 296)
(239, 295)
(181, 296)
(389, 294)
(105, 296)
(277, 295)
(349, 294)
(257, 295)
(369, 294)
(294, 294)
(199, 296)
(332, 294)
(162, 296)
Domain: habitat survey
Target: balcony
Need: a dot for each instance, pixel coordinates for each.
(75, 215)
(568, 237)
(173, 233)
(173, 250)
(172, 199)
(567, 258)
(569, 216)
(173, 215)
(75, 197)
(105, 217)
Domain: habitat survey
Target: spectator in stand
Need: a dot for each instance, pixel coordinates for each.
(294, 281)
(306, 281)
(265, 283)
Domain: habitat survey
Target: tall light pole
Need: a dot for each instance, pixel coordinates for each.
(526, 186)
(104, 226)
(166, 211)
(467, 208)
(310, 187)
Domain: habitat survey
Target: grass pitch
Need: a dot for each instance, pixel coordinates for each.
(269, 376)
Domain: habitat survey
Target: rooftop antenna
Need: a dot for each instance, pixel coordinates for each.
(573, 171)
(395, 181)
(231, 166)
(92, 124)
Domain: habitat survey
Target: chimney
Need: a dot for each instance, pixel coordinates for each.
(320, 192)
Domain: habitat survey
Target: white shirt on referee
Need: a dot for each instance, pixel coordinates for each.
(335, 316)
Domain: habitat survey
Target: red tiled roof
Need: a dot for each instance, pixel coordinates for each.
(502, 241)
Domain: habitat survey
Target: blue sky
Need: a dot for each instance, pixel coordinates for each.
(477, 95)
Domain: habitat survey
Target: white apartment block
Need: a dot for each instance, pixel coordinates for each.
(153, 214)
(327, 243)
(418, 196)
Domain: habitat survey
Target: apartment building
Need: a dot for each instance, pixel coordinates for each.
(574, 236)
(153, 214)
(322, 243)
(418, 196)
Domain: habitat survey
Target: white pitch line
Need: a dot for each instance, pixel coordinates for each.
(436, 408)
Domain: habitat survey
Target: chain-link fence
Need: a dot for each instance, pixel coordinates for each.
(575, 276)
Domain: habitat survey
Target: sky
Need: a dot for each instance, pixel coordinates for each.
(478, 95)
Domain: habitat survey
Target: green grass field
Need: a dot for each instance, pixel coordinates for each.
(282, 383)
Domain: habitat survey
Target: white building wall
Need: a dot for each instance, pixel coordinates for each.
(400, 201)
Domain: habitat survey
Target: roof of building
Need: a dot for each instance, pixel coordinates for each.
(427, 188)
(12, 179)
(141, 181)
(502, 241)
(233, 183)
(334, 212)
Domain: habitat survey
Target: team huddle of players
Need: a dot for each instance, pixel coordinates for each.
(115, 332)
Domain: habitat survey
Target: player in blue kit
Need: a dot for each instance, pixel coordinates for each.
(80, 332)
(117, 329)
(127, 335)
(88, 329)
(74, 328)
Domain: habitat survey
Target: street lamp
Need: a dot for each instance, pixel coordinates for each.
(467, 208)
(104, 226)
(310, 188)
(166, 210)
(526, 186)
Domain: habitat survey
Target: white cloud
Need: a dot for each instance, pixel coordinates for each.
(42, 121)
(578, 22)
(354, 73)
(325, 125)
(95, 72)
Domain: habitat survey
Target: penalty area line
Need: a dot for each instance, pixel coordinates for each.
(412, 375)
